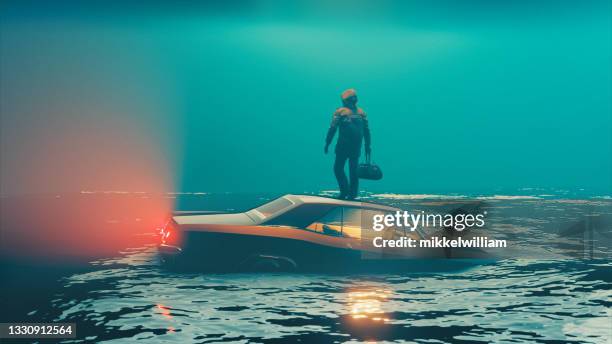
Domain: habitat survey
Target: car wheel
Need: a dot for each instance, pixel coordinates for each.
(266, 263)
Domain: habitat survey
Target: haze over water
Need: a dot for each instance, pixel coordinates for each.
(462, 97)
(108, 110)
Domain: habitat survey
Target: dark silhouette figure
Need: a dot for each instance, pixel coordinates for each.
(352, 125)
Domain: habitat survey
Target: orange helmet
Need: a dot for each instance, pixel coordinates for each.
(349, 97)
(349, 93)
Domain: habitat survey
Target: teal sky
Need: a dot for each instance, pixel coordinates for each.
(461, 98)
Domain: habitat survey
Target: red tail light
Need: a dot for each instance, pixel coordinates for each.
(171, 234)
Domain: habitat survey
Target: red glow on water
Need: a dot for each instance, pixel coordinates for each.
(80, 226)
(111, 179)
(165, 311)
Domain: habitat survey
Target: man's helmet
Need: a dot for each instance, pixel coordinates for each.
(349, 96)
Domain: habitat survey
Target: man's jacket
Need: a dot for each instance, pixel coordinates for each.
(352, 127)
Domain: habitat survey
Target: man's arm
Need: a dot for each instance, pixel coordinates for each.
(333, 127)
(366, 135)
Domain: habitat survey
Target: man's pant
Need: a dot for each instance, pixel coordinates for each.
(345, 189)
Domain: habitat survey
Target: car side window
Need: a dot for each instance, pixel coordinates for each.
(330, 223)
(352, 220)
(364, 220)
(341, 221)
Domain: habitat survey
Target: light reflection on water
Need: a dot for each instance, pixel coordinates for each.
(368, 304)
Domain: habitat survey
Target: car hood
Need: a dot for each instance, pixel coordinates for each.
(216, 219)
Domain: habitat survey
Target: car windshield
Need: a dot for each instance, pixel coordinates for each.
(272, 208)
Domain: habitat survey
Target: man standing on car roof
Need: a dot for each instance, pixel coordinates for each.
(352, 125)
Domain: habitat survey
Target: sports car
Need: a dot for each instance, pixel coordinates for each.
(299, 233)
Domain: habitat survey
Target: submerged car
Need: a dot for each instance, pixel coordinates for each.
(298, 233)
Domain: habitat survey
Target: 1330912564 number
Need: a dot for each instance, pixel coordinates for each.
(39, 330)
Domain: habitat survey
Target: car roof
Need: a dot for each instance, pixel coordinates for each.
(310, 199)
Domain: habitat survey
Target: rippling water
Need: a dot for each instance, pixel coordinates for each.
(131, 297)
(524, 300)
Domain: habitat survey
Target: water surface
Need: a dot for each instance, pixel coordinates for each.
(131, 297)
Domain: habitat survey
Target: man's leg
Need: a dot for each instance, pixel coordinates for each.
(340, 175)
(353, 163)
